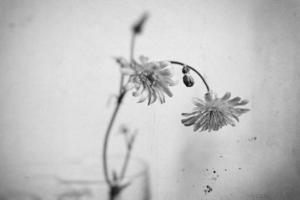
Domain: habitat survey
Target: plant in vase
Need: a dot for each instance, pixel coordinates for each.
(150, 82)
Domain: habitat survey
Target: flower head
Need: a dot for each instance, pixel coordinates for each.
(214, 112)
(149, 80)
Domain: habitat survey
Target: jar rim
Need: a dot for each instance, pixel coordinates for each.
(141, 170)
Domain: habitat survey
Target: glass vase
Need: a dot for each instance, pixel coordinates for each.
(76, 181)
(83, 181)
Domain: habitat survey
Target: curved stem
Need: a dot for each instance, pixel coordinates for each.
(106, 139)
(127, 157)
(194, 70)
(122, 93)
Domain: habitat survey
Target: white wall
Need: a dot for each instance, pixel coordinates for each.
(57, 74)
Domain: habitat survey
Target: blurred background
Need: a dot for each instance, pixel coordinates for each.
(57, 73)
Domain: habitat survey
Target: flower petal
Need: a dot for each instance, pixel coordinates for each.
(143, 59)
(161, 96)
(198, 102)
(166, 72)
(234, 101)
(164, 64)
(165, 88)
(226, 96)
(139, 90)
(126, 71)
(150, 93)
(240, 111)
(144, 96)
(229, 121)
(189, 121)
(197, 126)
(243, 102)
(189, 114)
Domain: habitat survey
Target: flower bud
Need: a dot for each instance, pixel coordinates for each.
(185, 70)
(138, 27)
(188, 80)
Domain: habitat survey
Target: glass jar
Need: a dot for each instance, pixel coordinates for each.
(83, 181)
(76, 181)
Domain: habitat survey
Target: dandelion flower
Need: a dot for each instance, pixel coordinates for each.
(214, 112)
(151, 80)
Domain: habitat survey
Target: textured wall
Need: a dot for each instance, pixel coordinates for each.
(57, 72)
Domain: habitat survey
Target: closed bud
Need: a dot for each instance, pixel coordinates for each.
(185, 70)
(138, 27)
(188, 80)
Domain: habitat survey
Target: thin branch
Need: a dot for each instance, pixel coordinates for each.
(107, 134)
(137, 29)
(132, 44)
(128, 153)
(125, 164)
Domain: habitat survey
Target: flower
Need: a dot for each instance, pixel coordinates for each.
(214, 113)
(149, 80)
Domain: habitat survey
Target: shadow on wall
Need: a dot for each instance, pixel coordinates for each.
(277, 47)
(272, 170)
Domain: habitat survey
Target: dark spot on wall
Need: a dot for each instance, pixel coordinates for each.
(252, 139)
(208, 189)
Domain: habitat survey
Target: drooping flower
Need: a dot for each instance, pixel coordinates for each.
(149, 80)
(214, 112)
